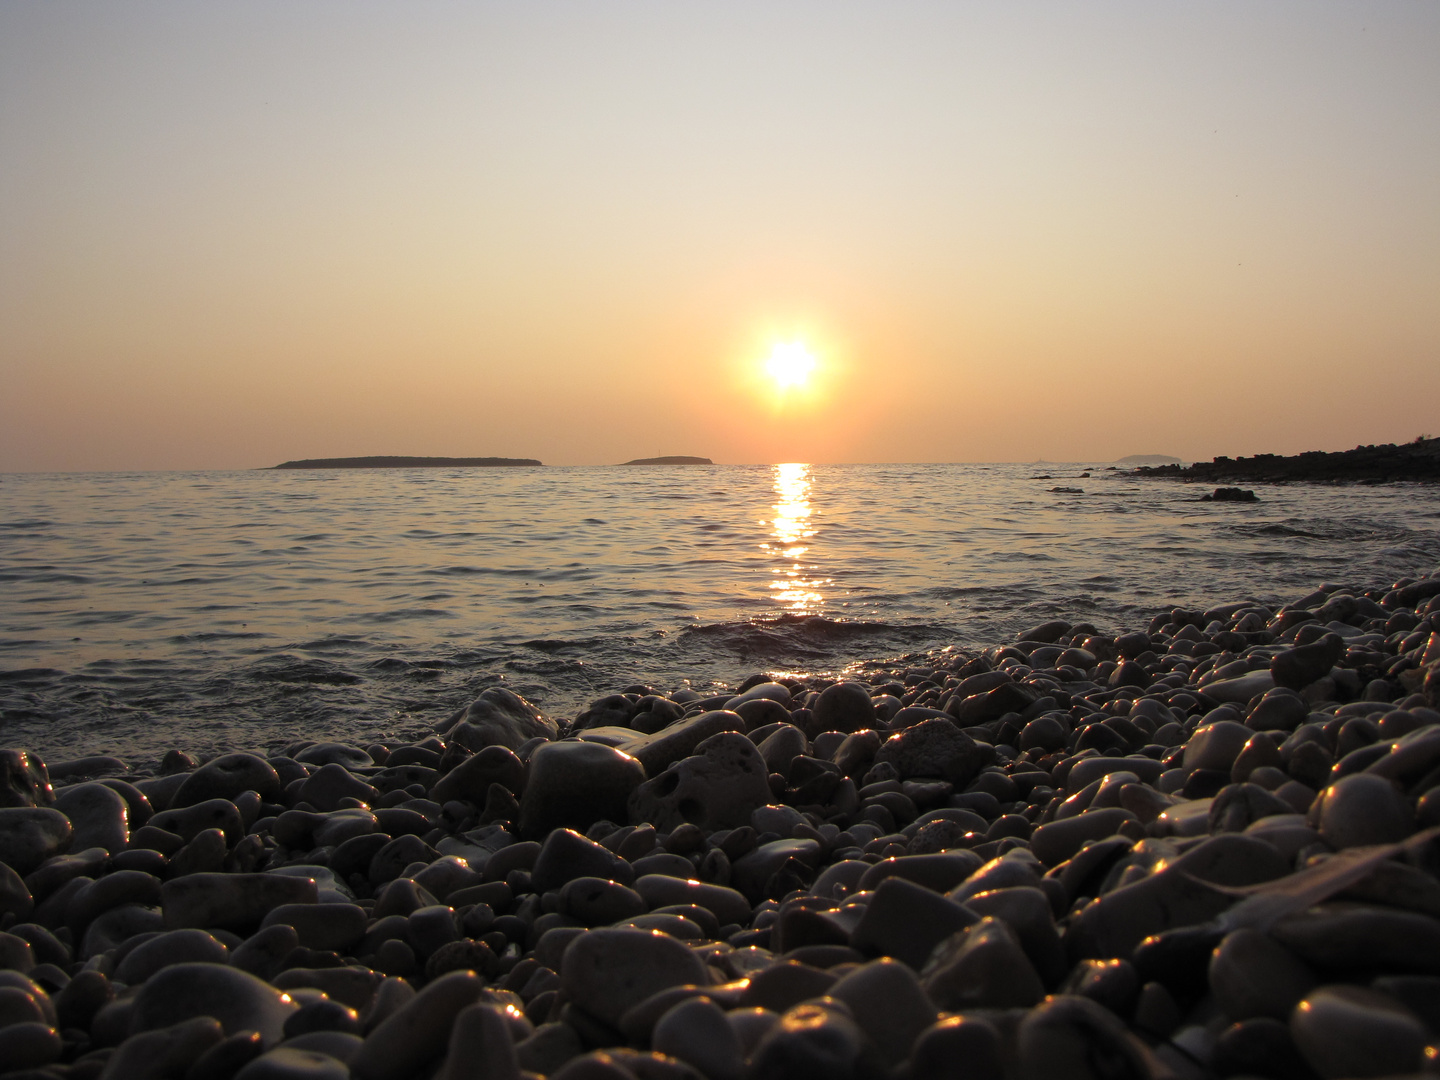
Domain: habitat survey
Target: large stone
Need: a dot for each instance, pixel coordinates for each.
(1056, 841)
(907, 921)
(231, 901)
(815, 1041)
(499, 717)
(933, 748)
(981, 708)
(1297, 668)
(226, 777)
(574, 784)
(1078, 1039)
(326, 927)
(696, 1032)
(24, 780)
(845, 706)
(1183, 893)
(168, 1051)
(1353, 1031)
(1361, 809)
(416, 1034)
(481, 1047)
(680, 739)
(1252, 975)
(888, 1003)
(717, 787)
(31, 834)
(1216, 746)
(606, 972)
(1239, 690)
(189, 822)
(98, 814)
(168, 949)
(567, 855)
(238, 1000)
(471, 779)
(982, 966)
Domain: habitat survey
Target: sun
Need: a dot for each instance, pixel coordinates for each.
(790, 364)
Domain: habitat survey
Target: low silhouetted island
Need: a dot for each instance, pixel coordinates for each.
(406, 463)
(674, 459)
(1417, 461)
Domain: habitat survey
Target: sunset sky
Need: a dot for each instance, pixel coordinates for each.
(237, 233)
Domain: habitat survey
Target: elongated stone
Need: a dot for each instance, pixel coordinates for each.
(230, 901)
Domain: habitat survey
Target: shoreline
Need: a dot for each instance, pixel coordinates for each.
(1032, 854)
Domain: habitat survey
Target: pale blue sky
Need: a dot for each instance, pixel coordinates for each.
(235, 233)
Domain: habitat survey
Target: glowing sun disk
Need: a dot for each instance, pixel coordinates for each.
(790, 364)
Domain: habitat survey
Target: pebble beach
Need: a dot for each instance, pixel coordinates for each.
(1203, 847)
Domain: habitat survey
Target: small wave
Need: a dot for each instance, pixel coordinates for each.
(216, 635)
(35, 524)
(30, 675)
(403, 614)
(294, 669)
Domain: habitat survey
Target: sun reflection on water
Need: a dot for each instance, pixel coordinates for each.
(795, 585)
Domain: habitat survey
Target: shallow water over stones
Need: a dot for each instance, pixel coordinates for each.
(997, 860)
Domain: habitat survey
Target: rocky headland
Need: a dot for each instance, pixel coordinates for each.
(1208, 846)
(393, 462)
(1417, 461)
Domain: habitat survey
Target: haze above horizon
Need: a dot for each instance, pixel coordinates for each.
(235, 234)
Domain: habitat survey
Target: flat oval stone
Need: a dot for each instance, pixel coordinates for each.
(1216, 746)
(325, 927)
(661, 890)
(567, 855)
(326, 753)
(1253, 975)
(173, 947)
(1353, 1031)
(1056, 841)
(1363, 809)
(230, 901)
(599, 902)
(189, 821)
(696, 1032)
(812, 1041)
(238, 1000)
(31, 834)
(288, 1063)
(29, 1045)
(98, 814)
(573, 784)
(168, 1051)
(226, 777)
(605, 972)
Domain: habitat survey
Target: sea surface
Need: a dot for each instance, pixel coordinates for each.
(224, 610)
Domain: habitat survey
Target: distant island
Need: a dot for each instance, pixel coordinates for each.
(1417, 461)
(392, 462)
(674, 459)
(1147, 459)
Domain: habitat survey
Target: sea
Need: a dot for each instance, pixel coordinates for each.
(210, 611)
